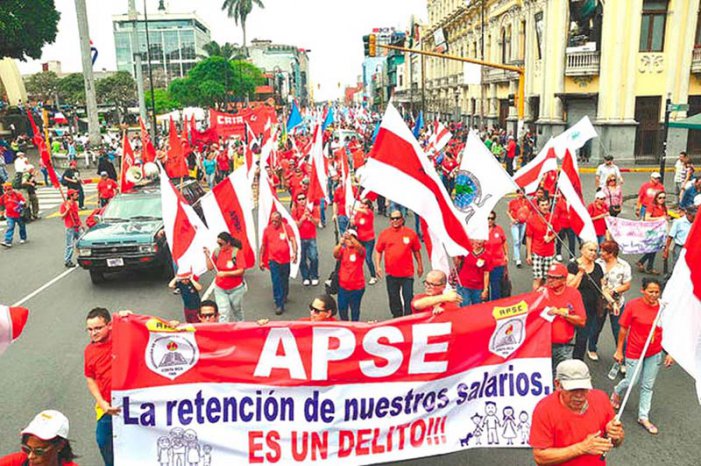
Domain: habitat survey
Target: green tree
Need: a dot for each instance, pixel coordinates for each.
(71, 89)
(118, 89)
(228, 51)
(43, 86)
(239, 10)
(163, 101)
(25, 26)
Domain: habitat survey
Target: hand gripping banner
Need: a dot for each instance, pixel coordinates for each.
(292, 393)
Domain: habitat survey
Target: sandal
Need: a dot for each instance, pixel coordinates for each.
(615, 400)
(652, 272)
(649, 426)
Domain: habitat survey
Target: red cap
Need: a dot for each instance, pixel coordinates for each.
(71, 192)
(557, 270)
(18, 316)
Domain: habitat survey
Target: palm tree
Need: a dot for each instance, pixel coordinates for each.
(228, 50)
(239, 10)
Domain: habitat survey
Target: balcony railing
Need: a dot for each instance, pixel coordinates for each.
(582, 64)
(496, 75)
(696, 61)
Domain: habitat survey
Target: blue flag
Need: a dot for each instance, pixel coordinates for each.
(295, 117)
(419, 124)
(328, 120)
(374, 133)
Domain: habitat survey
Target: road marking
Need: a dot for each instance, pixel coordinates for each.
(43, 287)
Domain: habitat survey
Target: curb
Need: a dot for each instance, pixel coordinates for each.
(630, 170)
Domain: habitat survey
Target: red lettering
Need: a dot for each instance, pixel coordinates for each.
(402, 429)
(272, 440)
(376, 449)
(363, 438)
(418, 432)
(254, 447)
(298, 453)
(320, 445)
(346, 440)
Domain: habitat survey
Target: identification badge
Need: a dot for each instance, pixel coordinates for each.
(351, 257)
(362, 221)
(480, 262)
(282, 236)
(230, 265)
(406, 240)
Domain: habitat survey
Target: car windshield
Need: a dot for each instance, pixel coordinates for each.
(133, 207)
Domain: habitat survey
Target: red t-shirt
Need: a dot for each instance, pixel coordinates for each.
(350, 274)
(107, 188)
(638, 317)
(398, 246)
(563, 331)
(511, 149)
(275, 243)
(72, 220)
(339, 198)
(10, 201)
(562, 214)
(495, 246)
(446, 306)
(647, 193)
(226, 262)
(223, 161)
(556, 426)
(98, 366)
(656, 211)
(473, 268)
(536, 228)
(307, 229)
(20, 458)
(599, 224)
(519, 209)
(364, 222)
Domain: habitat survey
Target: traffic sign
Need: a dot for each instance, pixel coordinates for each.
(678, 107)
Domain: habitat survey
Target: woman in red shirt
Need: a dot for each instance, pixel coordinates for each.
(598, 212)
(518, 214)
(229, 286)
(364, 224)
(656, 211)
(44, 442)
(498, 249)
(561, 216)
(351, 281)
(636, 323)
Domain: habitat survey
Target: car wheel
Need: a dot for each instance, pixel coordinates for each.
(97, 277)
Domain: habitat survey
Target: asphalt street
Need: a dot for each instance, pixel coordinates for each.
(44, 369)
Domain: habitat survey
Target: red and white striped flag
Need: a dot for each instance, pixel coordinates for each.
(127, 162)
(229, 207)
(528, 177)
(681, 317)
(12, 321)
(441, 136)
(399, 170)
(569, 183)
(248, 157)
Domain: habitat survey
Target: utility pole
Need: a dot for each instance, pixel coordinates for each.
(667, 111)
(154, 132)
(86, 59)
(136, 54)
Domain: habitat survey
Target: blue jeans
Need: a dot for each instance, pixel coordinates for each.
(395, 286)
(518, 230)
(342, 224)
(11, 222)
(230, 302)
(648, 374)
(566, 234)
(309, 260)
(495, 277)
(103, 435)
(600, 238)
(280, 276)
(649, 258)
(210, 179)
(369, 247)
(322, 211)
(469, 295)
(352, 299)
(71, 237)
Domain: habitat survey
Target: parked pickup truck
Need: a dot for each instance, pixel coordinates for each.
(129, 234)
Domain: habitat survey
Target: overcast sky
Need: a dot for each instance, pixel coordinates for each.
(332, 29)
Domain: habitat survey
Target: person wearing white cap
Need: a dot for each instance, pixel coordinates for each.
(647, 193)
(44, 442)
(598, 210)
(576, 423)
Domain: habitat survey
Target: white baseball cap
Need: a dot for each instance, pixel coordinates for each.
(655, 175)
(48, 425)
(600, 195)
(573, 374)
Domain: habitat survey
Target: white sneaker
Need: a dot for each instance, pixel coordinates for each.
(373, 280)
(315, 281)
(519, 263)
(306, 282)
(559, 257)
(22, 241)
(592, 355)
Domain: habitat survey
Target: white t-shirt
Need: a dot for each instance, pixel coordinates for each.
(603, 171)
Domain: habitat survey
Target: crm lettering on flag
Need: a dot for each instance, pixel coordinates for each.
(338, 393)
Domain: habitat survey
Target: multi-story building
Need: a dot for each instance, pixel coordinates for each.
(176, 42)
(287, 67)
(615, 61)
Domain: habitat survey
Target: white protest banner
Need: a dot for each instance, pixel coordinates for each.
(331, 393)
(637, 237)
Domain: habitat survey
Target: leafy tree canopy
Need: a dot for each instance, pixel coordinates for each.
(26, 26)
(72, 89)
(43, 86)
(163, 101)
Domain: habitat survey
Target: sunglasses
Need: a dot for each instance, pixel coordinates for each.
(314, 310)
(492, 218)
(434, 285)
(301, 198)
(207, 316)
(395, 218)
(37, 451)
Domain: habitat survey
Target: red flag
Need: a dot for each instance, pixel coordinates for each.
(43, 151)
(569, 165)
(176, 166)
(528, 177)
(358, 159)
(127, 163)
(580, 218)
(184, 139)
(148, 152)
(12, 322)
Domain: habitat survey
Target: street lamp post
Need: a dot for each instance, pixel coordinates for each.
(457, 105)
(154, 133)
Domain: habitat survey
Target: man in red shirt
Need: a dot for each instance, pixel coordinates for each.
(307, 219)
(278, 249)
(510, 155)
(566, 305)
(473, 273)
(575, 424)
(436, 299)
(598, 212)
(647, 193)
(540, 241)
(519, 211)
(339, 205)
(71, 220)
(398, 244)
(12, 203)
(98, 375)
(106, 189)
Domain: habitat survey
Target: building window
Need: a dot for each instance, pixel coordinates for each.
(697, 41)
(506, 45)
(652, 26)
(539, 33)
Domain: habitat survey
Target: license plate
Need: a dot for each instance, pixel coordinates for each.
(118, 262)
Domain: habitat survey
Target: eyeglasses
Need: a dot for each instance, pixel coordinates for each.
(301, 198)
(37, 451)
(434, 285)
(395, 218)
(492, 218)
(95, 329)
(314, 310)
(208, 315)
(555, 277)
